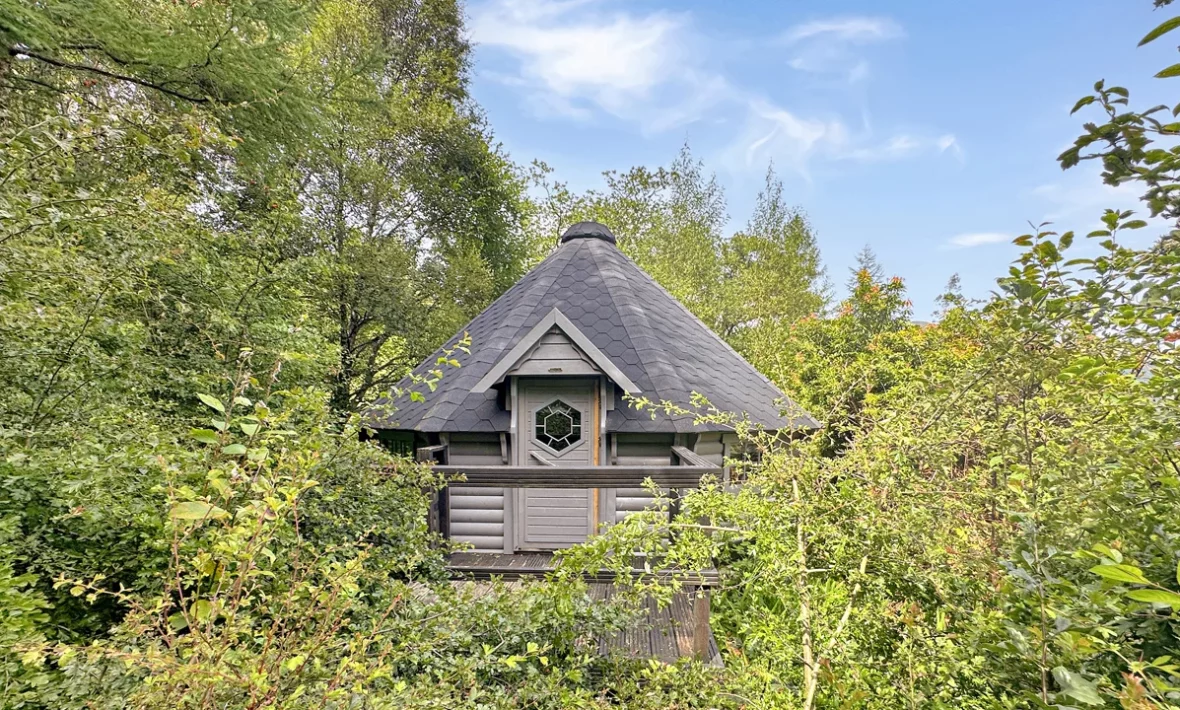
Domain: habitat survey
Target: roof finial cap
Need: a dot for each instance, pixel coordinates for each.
(588, 230)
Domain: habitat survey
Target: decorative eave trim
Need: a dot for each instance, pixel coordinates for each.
(555, 318)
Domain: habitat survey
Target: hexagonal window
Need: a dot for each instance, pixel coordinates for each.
(558, 425)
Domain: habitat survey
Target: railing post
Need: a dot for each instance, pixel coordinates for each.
(700, 625)
(436, 516)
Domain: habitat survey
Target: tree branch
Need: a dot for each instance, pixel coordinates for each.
(62, 64)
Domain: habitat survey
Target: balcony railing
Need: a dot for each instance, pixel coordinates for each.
(578, 477)
(685, 471)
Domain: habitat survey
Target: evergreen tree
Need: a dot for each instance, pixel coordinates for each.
(952, 295)
(866, 262)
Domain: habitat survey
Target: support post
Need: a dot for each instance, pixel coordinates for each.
(700, 625)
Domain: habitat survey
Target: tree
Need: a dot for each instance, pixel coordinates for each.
(198, 230)
(866, 262)
(772, 269)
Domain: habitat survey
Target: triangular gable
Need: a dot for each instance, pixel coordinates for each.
(555, 319)
(555, 354)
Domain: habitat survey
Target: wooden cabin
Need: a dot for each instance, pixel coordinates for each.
(536, 419)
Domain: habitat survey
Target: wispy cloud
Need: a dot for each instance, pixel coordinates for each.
(904, 146)
(827, 46)
(774, 132)
(585, 59)
(976, 239)
(846, 29)
(572, 57)
(1079, 199)
(1067, 201)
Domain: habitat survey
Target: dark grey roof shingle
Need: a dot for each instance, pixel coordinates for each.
(666, 350)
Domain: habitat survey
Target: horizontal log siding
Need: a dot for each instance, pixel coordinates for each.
(644, 449)
(477, 516)
(709, 446)
(631, 500)
(474, 449)
(639, 450)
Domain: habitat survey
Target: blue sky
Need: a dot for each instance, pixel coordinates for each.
(927, 130)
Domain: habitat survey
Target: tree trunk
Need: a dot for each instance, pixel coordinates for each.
(342, 387)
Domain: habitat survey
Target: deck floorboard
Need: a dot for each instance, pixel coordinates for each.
(664, 633)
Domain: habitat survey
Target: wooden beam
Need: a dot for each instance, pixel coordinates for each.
(580, 477)
(429, 453)
(691, 458)
(541, 459)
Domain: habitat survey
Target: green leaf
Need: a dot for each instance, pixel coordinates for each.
(205, 436)
(212, 402)
(1178, 572)
(1164, 28)
(1156, 596)
(196, 510)
(178, 622)
(234, 449)
(1168, 73)
(1077, 687)
(294, 663)
(250, 428)
(1082, 103)
(1121, 573)
(201, 610)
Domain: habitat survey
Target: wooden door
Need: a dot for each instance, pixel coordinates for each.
(558, 429)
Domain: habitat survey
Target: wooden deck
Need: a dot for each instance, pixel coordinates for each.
(667, 634)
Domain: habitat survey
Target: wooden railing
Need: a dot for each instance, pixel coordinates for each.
(685, 471)
(579, 477)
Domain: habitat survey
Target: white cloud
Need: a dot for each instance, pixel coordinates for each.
(1088, 198)
(826, 46)
(899, 146)
(774, 132)
(846, 29)
(584, 59)
(975, 239)
(779, 134)
(572, 57)
(859, 72)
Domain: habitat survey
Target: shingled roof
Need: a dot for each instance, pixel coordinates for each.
(661, 347)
